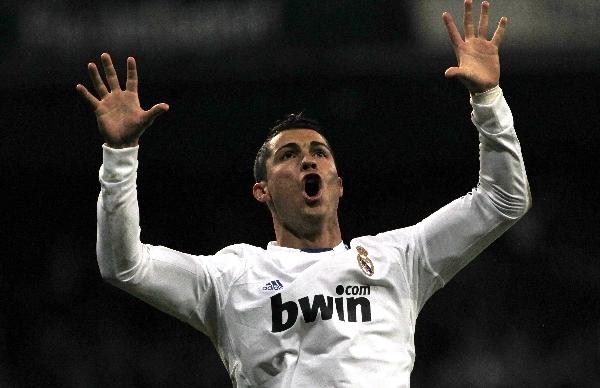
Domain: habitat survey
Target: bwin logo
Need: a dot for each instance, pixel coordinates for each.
(323, 304)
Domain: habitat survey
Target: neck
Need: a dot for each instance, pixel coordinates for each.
(326, 235)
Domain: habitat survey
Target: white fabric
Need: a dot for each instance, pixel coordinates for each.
(242, 296)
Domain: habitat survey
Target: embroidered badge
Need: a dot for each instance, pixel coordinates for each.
(365, 264)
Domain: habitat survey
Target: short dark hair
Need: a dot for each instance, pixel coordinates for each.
(292, 121)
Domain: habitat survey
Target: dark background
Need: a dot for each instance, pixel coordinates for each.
(525, 313)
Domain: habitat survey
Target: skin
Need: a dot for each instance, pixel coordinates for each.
(121, 120)
(478, 61)
(298, 222)
(301, 221)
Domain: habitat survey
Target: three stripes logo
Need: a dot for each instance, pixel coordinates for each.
(273, 285)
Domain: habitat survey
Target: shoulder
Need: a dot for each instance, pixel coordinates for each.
(398, 245)
(242, 251)
(394, 238)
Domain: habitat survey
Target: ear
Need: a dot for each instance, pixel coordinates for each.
(341, 186)
(260, 192)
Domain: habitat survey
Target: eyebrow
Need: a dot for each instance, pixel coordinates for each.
(296, 147)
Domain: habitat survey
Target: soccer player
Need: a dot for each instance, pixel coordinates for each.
(310, 311)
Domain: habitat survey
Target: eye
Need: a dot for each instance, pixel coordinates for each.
(287, 155)
(321, 153)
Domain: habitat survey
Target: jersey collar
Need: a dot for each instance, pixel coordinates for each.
(274, 247)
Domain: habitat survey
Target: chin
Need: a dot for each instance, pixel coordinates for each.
(317, 213)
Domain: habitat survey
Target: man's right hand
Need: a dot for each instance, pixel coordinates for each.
(121, 120)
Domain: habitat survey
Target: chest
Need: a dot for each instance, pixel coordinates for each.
(320, 311)
(310, 296)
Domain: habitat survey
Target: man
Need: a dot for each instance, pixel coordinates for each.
(309, 311)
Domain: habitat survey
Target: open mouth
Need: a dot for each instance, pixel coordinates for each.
(312, 185)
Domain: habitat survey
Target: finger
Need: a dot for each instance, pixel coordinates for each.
(483, 20)
(156, 111)
(97, 80)
(468, 20)
(452, 72)
(109, 71)
(499, 34)
(87, 96)
(132, 79)
(455, 37)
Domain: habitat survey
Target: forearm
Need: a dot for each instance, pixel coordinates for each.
(176, 283)
(454, 235)
(502, 173)
(118, 246)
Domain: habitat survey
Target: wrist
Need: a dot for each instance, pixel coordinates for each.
(482, 89)
(117, 163)
(122, 145)
(486, 97)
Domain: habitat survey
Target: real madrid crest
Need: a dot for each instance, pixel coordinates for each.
(365, 264)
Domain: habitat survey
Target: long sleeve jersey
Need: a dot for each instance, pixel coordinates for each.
(282, 317)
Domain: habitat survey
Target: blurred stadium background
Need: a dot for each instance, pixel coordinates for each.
(526, 313)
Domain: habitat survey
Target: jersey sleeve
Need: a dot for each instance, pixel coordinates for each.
(185, 286)
(445, 242)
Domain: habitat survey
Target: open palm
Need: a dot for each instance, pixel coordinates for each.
(478, 61)
(121, 120)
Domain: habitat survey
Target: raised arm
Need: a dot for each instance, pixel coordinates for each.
(450, 238)
(177, 283)
(121, 122)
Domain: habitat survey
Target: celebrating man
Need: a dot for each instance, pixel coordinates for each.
(309, 310)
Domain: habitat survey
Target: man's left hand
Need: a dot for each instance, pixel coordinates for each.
(478, 62)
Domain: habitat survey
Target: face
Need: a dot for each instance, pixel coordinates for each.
(302, 188)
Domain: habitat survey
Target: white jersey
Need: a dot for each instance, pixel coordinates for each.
(282, 317)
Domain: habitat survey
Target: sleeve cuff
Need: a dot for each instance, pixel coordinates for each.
(487, 97)
(118, 163)
(491, 114)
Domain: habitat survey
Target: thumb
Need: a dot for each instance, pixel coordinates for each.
(452, 72)
(156, 111)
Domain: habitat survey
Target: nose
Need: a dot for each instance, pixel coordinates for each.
(308, 163)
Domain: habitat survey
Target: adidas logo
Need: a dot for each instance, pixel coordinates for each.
(273, 285)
